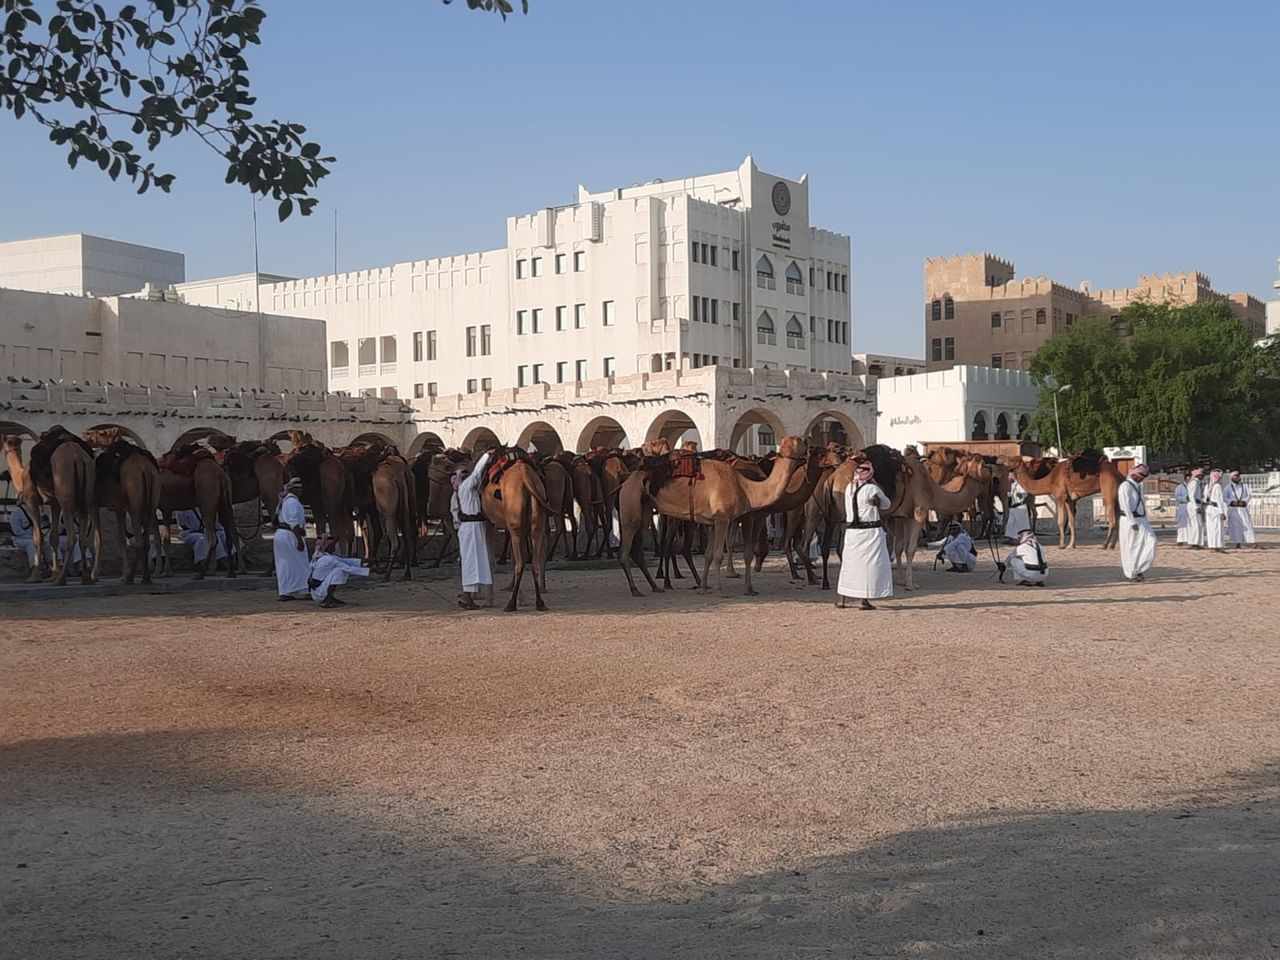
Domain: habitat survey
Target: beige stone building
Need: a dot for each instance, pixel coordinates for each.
(978, 313)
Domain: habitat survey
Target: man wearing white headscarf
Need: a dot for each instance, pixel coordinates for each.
(866, 573)
(1183, 514)
(330, 571)
(1137, 539)
(1215, 515)
(473, 545)
(958, 549)
(1239, 523)
(191, 532)
(1017, 516)
(1029, 566)
(1195, 509)
(290, 544)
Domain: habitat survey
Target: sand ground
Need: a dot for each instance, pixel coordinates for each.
(975, 770)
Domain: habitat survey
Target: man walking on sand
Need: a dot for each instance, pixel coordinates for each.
(1137, 539)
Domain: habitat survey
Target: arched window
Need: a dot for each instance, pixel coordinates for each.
(1041, 316)
(764, 274)
(765, 332)
(795, 332)
(979, 426)
(1024, 424)
(948, 309)
(935, 310)
(1002, 427)
(795, 279)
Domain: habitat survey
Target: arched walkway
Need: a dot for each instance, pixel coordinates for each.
(674, 426)
(194, 435)
(9, 428)
(1002, 427)
(480, 439)
(542, 437)
(979, 426)
(1024, 425)
(602, 432)
(831, 426)
(372, 439)
(746, 434)
(424, 440)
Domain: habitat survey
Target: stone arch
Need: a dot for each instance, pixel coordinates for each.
(674, 426)
(1024, 426)
(747, 426)
(127, 433)
(480, 438)
(541, 436)
(9, 428)
(1002, 427)
(832, 425)
(602, 432)
(424, 439)
(194, 435)
(979, 426)
(372, 438)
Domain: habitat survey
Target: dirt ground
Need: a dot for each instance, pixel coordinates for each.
(975, 770)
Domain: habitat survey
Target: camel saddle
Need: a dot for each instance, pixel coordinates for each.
(1039, 467)
(360, 458)
(1087, 463)
(507, 458)
(39, 463)
(666, 468)
(108, 462)
(183, 460)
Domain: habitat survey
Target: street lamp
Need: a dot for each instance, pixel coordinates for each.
(1058, 426)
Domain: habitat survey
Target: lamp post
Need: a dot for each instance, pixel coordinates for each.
(1058, 426)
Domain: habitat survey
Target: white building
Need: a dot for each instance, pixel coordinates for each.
(715, 270)
(962, 403)
(85, 265)
(1273, 314)
(885, 365)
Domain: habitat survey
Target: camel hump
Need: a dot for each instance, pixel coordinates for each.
(1087, 463)
(183, 460)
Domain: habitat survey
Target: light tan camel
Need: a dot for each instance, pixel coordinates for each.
(1070, 480)
(797, 532)
(717, 500)
(190, 479)
(60, 473)
(517, 503)
(799, 488)
(127, 482)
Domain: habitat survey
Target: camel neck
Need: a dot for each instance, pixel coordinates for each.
(766, 492)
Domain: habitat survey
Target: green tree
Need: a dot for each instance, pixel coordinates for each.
(162, 68)
(1186, 381)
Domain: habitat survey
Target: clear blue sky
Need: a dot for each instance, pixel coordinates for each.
(1083, 141)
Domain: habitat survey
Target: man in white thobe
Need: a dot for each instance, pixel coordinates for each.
(1182, 513)
(23, 529)
(1017, 517)
(1215, 515)
(958, 549)
(330, 571)
(866, 572)
(1195, 509)
(1239, 522)
(1029, 566)
(290, 545)
(191, 532)
(1137, 539)
(473, 546)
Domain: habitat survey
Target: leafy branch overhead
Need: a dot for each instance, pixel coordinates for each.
(161, 68)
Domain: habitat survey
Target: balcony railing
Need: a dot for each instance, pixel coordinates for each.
(765, 282)
(338, 373)
(770, 339)
(367, 369)
(389, 367)
(795, 286)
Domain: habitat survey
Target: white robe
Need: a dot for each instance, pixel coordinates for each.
(865, 569)
(1215, 518)
(292, 566)
(958, 548)
(191, 532)
(1239, 523)
(1183, 515)
(328, 570)
(473, 546)
(1018, 518)
(1195, 512)
(1137, 539)
(1024, 558)
(24, 534)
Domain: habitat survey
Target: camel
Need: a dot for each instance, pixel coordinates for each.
(945, 465)
(799, 489)
(1070, 480)
(326, 488)
(516, 501)
(127, 481)
(588, 494)
(719, 498)
(559, 483)
(60, 473)
(798, 531)
(432, 472)
(394, 501)
(191, 479)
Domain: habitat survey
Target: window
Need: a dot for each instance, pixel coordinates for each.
(579, 316)
(1042, 317)
(471, 386)
(697, 308)
(949, 352)
(764, 274)
(795, 279)
(935, 309)
(1002, 427)
(737, 313)
(795, 333)
(715, 311)
(706, 256)
(536, 264)
(844, 283)
(811, 276)
(431, 344)
(433, 389)
(764, 329)
(831, 335)
(693, 251)
(1071, 318)
(936, 351)
(522, 375)
(948, 309)
(606, 313)
(997, 361)
(537, 373)
(471, 345)
(486, 340)
(562, 370)
(521, 269)
(608, 366)
(579, 261)
(995, 320)
(580, 370)
(979, 426)
(417, 348)
(733, 257)
(562, 317)
(829, 286)
(713, 255)
(537, 319)
(522, 317)
(486, 384)
(560, 262)
(418, 392)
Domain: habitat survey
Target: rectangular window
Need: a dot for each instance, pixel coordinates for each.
(471, 386)
(562, 317)
(995, 320)
(537, 319)
(828, 279)
(697, 303)
(486, 384)
(950, 351)
(521, 321)
(520, 269)
(433, 389)
(715, 311)
(734, 258)
(608, 366)
(560, 262)
(418, 391)
(713, 255)
(705, 255)
(1071, 318)
(737, 313)
(417, 347)
(431, 344)
(471, 345)
(935, 352)
(536, 264)
(811, 276)
(562, 371)
(580, 370)
(606, 313)
(693, 251)
(844, 283)
(522, 375)
(486, 340)
(537, 373)
(579, 316)
(997, 360)
(579, 261)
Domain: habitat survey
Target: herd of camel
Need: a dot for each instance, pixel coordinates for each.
(696, 497)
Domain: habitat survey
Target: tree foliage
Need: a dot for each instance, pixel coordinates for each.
(1186, 381)
(161, 68)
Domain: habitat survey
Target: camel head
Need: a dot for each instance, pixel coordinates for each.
(832, 456)
(689, 446)
(103, 437)
(299, 439)
(793, 448)
(13, 443)
(972, 466)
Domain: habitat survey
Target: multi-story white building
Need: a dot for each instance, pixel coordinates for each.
(715, 270)
(85, 265)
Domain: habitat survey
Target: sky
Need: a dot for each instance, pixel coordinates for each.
(1083, 141)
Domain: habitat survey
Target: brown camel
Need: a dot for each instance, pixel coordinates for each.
(190, 479)
(254, 468)
(395, 513)
(559, 484)
(717, 499)
(755, 542)
(1070, 480)
(60, 473)
(326, 488)
(516, 501)
(127, 481)
(798, 532)
(588, 494)
(432, 472)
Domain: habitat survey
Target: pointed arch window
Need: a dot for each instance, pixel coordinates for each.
(935, 310)
(795, 332)
(948, 308)
(764, 274)
(979, 426)
(765, 332)
(795, 279)
(1002, 427)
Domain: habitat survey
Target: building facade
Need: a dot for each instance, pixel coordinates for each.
(85, 265)
(722, 270)
(978, 313)
(883, 365)
(961, 403)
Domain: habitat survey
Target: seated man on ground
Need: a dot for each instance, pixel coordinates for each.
(1027, 562)
(329, 571)
(957, 549)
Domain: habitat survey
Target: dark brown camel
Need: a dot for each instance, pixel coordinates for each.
(559, 485)
(190, 479)
(60, 473)
(432, 472)
(326, 488)
(127, 481)
(394, 504)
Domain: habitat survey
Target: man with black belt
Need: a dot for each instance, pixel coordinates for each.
(1027, 562)
(1137, 539)
(473, 547)
(865, 570)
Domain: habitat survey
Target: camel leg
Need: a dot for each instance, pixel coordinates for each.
(751, 528)
(715, 548)
(911, 538)
(828, 532)
(686, 546)
(729, 571)
(631, 546)
(61, 552)
(392, 535)
(90, 532)
(152, 536)
(128, 558)
(37, 537)
(538, 550)
(516, 539)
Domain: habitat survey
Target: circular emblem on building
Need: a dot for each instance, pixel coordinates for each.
(781, 198)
